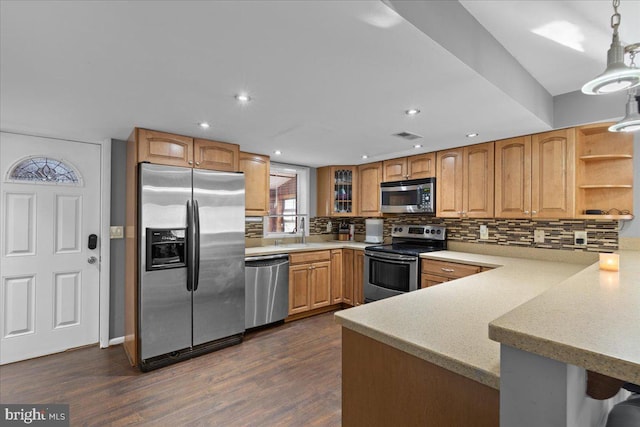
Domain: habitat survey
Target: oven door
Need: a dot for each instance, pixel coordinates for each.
(389, 274)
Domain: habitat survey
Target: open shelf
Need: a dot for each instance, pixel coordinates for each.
(589, 186)
(602, 157)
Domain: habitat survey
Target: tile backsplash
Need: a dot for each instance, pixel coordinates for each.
(602, 235)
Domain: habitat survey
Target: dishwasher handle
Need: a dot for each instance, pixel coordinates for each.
(267, 257)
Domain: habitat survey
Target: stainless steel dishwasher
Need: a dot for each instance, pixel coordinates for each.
(266, 289)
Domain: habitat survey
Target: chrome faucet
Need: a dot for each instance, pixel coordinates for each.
(304, 238)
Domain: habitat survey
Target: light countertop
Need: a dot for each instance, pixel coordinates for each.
(590, 320)
(447, 324)
(304, 247)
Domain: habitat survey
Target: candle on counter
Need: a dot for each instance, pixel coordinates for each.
(609, 262)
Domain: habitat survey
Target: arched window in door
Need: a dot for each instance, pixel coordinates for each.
(46, 170)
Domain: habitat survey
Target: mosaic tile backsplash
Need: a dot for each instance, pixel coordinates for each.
(602, 235)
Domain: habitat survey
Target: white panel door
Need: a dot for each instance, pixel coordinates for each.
(49, 278)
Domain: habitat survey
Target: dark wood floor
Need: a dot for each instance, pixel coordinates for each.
(289, 375)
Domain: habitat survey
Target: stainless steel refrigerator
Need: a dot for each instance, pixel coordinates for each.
(191, 268)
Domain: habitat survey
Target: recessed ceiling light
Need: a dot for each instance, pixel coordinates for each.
(412, 112)
(243, 97)
(417, 146)
(472, 135)
(204, 125)
(364, 156)
(277, 152)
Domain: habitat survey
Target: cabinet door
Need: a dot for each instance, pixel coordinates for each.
(347, 276)
(427, 280)
(478, 181)
(421, 166)
(299, 288)
(214, 155)
(369, 178)
(394, 169)
(336, 276)
(513, 177)
(449, 183)
(256, 176)
(344, 185)
(164, 148)
(553, 174)
(320, 284)
(358, 277)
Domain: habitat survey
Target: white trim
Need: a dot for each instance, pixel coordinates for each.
(116, 341)
(105, 241)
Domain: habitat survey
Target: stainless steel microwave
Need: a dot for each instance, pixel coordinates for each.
(412, 196)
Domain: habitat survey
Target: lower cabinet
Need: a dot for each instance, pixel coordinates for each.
(309, 281)
(434, 272)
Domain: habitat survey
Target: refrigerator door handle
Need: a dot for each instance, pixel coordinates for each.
(189, 246)
(196, 254)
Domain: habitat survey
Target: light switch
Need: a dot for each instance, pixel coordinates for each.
(116, 232)
(484, 232)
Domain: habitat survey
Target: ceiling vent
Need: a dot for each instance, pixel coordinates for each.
(408, 136)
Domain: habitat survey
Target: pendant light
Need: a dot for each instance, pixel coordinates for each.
(631, 121)
(617, 76)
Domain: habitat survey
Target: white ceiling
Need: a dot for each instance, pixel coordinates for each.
(330, 80)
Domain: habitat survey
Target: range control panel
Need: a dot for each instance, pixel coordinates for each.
(431, 232)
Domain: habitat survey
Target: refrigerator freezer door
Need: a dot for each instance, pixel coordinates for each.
(164, 300)
(218, 297)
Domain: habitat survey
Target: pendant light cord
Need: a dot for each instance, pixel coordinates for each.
(615, 18)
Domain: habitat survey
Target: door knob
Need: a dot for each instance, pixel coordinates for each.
(92, 260)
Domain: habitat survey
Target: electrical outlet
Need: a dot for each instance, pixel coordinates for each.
(484, 232)
(329, 225)
(580, 238)
(538, 236)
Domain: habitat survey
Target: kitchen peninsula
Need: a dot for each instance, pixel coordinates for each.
(425, 358)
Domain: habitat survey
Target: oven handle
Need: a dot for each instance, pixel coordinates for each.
(391, 257)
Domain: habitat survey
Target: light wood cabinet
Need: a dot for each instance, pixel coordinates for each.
(214, 155)
(337, 276)
(535, 176)
(604, 173)
(256, 174)
(347, 275)
(553, 174)
(358, 277)
(434, 272)
(177, 150)
(513, 177)
(164, 148)
(309, 281)
(412, 167)
(465, 182)
(369, 178)
(337, 194)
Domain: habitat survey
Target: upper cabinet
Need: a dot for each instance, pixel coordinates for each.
(220, 156)
(412, 167)
(177, 150)
(337, 194)
(369, 178)
(256, 170)
(164, 148)
(604, 173)
(464, 184)
(535, 176)
(553, 174)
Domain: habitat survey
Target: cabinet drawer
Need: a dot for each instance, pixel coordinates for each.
(427, 280)
(449, 269)
(309, 257)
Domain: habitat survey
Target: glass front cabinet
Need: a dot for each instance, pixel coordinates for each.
(337, 191)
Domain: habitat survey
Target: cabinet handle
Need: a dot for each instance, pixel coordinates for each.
(448, 270)
(526, 212)
(534, 212)
(190, 162)
(197, 163)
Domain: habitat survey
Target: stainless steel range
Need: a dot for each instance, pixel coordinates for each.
(394, 269)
